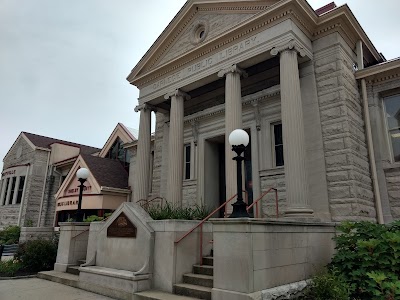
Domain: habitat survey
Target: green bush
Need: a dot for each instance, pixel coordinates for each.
(37, 255)
(10, 235)
(368, 257)
(93, 218)
(9, 268)
(168, 211)
(327, 286)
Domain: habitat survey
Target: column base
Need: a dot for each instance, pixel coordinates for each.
(299, 212)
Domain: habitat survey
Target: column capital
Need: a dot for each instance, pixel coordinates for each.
(291, 45)
(232, 69)
(177, 93)
(145, 107)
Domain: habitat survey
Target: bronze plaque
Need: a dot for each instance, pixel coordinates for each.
(122, 227)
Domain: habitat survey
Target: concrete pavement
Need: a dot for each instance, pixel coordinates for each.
(39, 289)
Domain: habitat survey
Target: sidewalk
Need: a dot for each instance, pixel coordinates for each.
(39, 289)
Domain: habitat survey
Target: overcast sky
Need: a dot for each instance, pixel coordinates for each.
(64, 63)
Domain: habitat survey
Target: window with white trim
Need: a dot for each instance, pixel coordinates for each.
(277, 144)
(187, 154)
(392, 115)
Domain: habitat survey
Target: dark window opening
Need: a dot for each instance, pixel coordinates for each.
(3, 202)
(20, 189)
(14, 179)
(278, 144)
(187, 161)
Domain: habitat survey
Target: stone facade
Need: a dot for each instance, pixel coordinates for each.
(347, 163)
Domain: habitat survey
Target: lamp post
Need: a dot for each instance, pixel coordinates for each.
(82, 175)
(239, 139)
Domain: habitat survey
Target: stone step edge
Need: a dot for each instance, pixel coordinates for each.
(193, 287)
(202, 276)
(159, 295)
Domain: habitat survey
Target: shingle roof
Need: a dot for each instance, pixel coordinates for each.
(45, 142)
(107, 172)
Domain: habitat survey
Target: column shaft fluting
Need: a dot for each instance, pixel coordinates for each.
(233, 120)
(142, 167)
(293, 137)
(175, 149)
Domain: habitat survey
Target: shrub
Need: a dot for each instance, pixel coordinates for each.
(10, 235)
(9, 268)
(37, 255)
(327, 286)
(368, 257)
(168, 211)
(93, 218)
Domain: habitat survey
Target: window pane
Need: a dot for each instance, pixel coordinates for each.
(279, 156)
(20, 189)
(187, 150)
(187, 171)
(395, 138)
(392, 105)
(278, 134)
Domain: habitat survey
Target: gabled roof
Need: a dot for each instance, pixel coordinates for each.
(107, 172)
(45, 142)
(126, 134)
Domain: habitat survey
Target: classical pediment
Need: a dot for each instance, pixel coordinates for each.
(199, 22)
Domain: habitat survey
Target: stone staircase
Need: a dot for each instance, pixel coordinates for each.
(199, 283)
(75, 269)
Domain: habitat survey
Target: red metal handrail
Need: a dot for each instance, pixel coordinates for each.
(201, 225)
(259, 199)
(147, 201)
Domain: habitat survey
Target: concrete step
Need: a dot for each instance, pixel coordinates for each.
(208, 260)
(198, 279)
(81, 262)
(157, 295)
(191, 290)
(73, 270)
(60, 277)
(204, 270)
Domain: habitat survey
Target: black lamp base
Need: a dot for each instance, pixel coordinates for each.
(239, 210)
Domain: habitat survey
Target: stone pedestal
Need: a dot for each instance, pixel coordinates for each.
(175, 149)
(233, 120)
(142, 176)
(72, 245)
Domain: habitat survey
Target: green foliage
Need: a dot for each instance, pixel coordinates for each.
(368, 257)
(93, 218)
(37, 255)
(8, 268)
(10, 235)
(168, 211)
(328, 286)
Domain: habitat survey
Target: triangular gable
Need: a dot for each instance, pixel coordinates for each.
(120, 131)
(20, 137)
(70, 185)
(217, 16)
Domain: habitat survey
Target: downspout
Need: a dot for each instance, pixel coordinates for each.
(44, 188)
(371, 152)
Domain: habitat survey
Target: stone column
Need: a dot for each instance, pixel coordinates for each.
(175, 147)
(233, 120)
(293, 132)
(142, 167)
(3, 191)
(16, 187)
(9, 191)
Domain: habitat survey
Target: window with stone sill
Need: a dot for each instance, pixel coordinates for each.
(392, 116)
